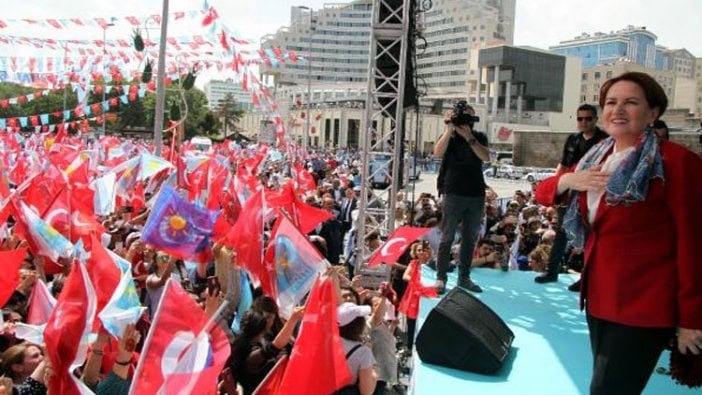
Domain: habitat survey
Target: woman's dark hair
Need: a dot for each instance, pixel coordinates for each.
(660, 124)
(655, 95)
(266, 304)
(252, 323)
(354, 329)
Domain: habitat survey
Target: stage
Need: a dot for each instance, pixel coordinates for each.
(551, 349)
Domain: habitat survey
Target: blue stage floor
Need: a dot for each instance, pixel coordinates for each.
(551, 349)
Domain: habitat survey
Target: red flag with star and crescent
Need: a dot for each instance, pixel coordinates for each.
(396, 244)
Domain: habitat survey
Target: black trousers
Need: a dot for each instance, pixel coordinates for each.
(623, 356)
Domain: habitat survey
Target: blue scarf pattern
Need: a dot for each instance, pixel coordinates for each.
(627, 185)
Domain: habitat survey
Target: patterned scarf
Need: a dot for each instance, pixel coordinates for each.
(628, 183)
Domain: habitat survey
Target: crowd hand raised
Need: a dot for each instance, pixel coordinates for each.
(297, 313)
(690, 340)
(212, 302)
(227, 384)
(127, 343)
(593, 179)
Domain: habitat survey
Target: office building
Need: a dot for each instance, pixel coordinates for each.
(634, 44)
(215, 91)
(336, 39)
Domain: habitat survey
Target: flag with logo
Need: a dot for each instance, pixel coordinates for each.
(184, 351)
(123, 308)
(179, 228)
(396, 244)
(297, 264)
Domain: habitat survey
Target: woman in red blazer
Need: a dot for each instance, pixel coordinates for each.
(635, 204)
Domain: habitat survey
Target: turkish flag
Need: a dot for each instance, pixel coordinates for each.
(67, 331)
(183, 353)
(10, 263)
(409, 305)
(246, 236)
(41, 304)
(270, 384)
(103, 272)
(317, 363)
(396, 244)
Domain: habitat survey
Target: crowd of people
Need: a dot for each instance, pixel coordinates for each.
(470, 227)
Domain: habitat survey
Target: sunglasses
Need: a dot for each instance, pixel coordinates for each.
(580, 119)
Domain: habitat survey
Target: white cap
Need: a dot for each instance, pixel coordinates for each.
(347, 312)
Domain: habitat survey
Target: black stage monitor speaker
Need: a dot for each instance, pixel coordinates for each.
(461, 332)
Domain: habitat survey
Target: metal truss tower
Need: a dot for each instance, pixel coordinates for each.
(383, 122)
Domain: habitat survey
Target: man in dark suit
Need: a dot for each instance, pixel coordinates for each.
(348, 204)
(331, 232)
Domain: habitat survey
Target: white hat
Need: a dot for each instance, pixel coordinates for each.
(347, 312)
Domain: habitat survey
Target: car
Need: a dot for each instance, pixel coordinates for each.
(504, 171)
(539, 175)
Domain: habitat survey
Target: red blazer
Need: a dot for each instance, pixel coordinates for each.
(643, 263)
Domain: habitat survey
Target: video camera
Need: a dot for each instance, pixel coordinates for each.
(460, 117)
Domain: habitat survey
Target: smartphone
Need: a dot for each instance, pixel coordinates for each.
(213, 286)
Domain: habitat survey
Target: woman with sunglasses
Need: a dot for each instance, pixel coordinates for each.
(156, 280)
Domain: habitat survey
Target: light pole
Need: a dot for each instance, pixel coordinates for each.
(160, 88)
(104, 60)
(308, 120)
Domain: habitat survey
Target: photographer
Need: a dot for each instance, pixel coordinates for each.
(462, 187)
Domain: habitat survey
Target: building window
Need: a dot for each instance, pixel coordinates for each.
(608, 75)
(597, 75)
(584, 76)
(595, 98)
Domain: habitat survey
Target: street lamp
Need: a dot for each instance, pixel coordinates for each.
(104, 60)
(308, 120)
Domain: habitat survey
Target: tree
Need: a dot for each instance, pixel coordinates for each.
(229, 113)
(52, 104)
(210, 124)
(196, 102)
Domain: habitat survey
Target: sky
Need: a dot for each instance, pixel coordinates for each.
(539, 23)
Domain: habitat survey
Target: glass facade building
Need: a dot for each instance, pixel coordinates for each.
(533, 77)
(633, 44)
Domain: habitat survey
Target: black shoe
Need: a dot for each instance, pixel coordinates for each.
(575, 287)
(467, 283)
(546, 278)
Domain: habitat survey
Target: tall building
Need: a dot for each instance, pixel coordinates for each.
(216, 90)
(634, 44)
(698, 95)
(336, 39)
(607, 55)
(455, 30)
(592, 79)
